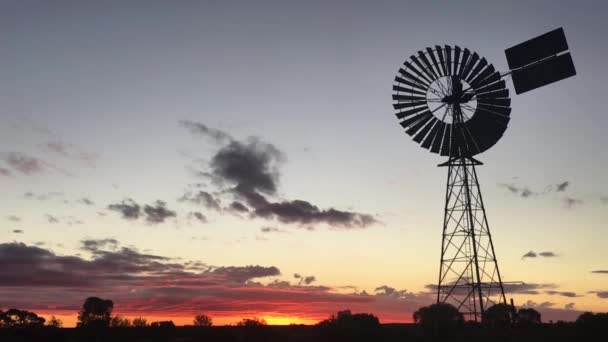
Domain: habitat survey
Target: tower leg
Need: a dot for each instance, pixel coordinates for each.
(469, 277)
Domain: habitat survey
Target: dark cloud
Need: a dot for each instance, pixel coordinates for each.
(244, 274)
(530, 254)
(146, 284)
(600, 271)
(570, 202)
(4, 172)
(604, 199)
(51, 218)
(23, 163)
(14, 218)
(271, 230)
(96, 245)
(569, 306)
(201, 129)
(198, 215)
(157, 212)
(601, 294)
(303, 212)
(547, 254)
(562, 293)
(238, 207)
(252, 166)
(533, 304)
(304, 280)
(127, 208)
(17, 231)
(562, 186)
(86, 201)
(201, 197)
(250, 170)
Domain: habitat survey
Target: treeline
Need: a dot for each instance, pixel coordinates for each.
(435, 322)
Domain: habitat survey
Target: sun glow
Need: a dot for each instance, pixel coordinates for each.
(287, 320)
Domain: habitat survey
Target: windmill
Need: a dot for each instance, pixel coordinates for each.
(454, 103)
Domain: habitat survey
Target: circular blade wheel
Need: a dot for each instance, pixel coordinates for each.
(451, 101)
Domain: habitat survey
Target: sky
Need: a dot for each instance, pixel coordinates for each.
(242, 159)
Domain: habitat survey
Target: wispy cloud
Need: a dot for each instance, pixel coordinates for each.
(24, 163)
(51, 218)
(71, 151)
(571, 202)
(562, 293)
(14, 218)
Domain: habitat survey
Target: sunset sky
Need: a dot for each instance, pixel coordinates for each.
(138, 139)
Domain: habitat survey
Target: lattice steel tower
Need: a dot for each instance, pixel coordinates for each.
(456, 104)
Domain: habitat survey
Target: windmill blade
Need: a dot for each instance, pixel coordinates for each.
(436, 147)
(432, 134)
(447, 140)
(493, 94)
(427, 64)
(409, 76)
(406, 113)
(495, 102)
(408, 98)
(500, 114)
(492, 87)
(402, 105)
(421, 78)
(470, 64)
(441, 59)
(448, 59)
(482, 64)
(427, 74)
(484, 74)
(424, 131)
(408, 90)
(495, 77)
(408, 122)
(418, 125)
(456, 60)
(412, 84)
(431, 53)
(465, 59)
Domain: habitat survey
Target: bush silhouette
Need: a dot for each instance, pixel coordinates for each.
(528, 316)
(439, 319)
(499, 316)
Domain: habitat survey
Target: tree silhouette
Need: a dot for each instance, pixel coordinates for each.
(439, 319)
(499, 316)
(140, 322)
(120, 322)
(95, 312)
(202, 320)
(20, 318)
(163, 324)
(54, 322)
(251, 322)
(528, 316)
